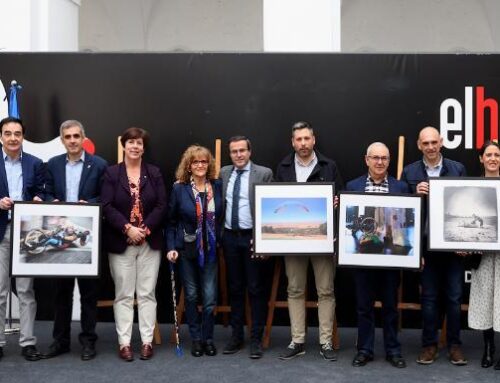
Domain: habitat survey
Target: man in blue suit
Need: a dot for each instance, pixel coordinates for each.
(74, 176)
(369, 280)
(21, 179)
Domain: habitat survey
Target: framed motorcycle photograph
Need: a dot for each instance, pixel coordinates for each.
(56, 239)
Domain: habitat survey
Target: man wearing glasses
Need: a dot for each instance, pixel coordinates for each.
(371, 281)
(243, 270)
(305, 164)
(439, 268)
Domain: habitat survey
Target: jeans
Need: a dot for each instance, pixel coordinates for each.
(441, 271)
(367, 284)
(243, 273)
(196, 281)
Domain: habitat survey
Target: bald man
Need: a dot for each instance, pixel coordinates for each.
(370, 282)
(440, 269)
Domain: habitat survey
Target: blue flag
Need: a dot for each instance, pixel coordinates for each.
(13, 107)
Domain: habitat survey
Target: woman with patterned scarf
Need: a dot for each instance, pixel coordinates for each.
(194, 217)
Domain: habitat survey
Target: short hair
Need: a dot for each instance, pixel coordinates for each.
(15, 120)
(373, 144)
(299, 125)
(69, 124)
(183, 172)
(134, 133)
(240, 138)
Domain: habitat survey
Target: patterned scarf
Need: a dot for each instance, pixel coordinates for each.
(208, 243)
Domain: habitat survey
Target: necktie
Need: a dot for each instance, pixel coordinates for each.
(235, 225)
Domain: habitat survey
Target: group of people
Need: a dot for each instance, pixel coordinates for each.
(206, 210)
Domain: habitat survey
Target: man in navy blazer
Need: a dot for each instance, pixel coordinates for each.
(368, 281)
(74, 176)
(21, 179)
(440, 268)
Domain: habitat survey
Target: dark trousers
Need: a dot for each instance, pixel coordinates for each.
(89, 290)
(442, 272)
(244, 273)
(368, 283)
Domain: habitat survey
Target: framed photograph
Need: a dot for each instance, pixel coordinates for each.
(379, 230)
(463, 214)
(294, 218)
(55, 239)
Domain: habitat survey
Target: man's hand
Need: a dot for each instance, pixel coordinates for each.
(82, 201)
(172, 255)
(6, 203)
(423, 188)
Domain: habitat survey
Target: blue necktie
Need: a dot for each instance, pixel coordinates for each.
(235, 225)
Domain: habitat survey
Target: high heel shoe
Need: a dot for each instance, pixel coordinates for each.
(489, 349)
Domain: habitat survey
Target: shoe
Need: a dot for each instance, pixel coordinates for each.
(396, 361)
(361, 359)
(1, 352)
(456, 356)
(428, 355)
(55, 349)
(209, 349)
(30, 353)
(256, 350)
(233, 346)
(293, 350)
(146, 351)
(196, 348)
(126, 353)
(326, 350)
(497, 365)
(489, 349)
(88, 352)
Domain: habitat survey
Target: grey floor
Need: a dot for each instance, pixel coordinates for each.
(167, 367)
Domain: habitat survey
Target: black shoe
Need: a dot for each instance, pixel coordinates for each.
(396, 361)
(233, 346)
(361, 359)
(88, 352)
(489, 348)
(327, 352)
(1, 352)
(197, 348)
(54, 350)
(497, 365)
(30, 353)
(209, 349)
(293, 350)
(256, 350)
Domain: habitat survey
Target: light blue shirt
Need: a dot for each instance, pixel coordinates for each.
(73, 175)
(303, 171)
(433, 171)
(14, 172)
(245, 215)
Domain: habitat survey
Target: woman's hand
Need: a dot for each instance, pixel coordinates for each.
(172, 255)
(136, 234)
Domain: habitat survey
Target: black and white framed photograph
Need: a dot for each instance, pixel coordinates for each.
(55, 239)
(379, 230)
(294, 218)
(463, 214)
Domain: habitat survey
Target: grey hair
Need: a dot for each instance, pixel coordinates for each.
(374, 144)
(69, 124)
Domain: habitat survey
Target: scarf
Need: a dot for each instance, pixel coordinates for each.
(205, 224)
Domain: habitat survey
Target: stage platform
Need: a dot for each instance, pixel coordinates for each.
(167, 367)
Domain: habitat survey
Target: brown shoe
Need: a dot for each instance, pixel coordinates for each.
(456, 356)
(428, 355)
(126, 354)
(146, 351)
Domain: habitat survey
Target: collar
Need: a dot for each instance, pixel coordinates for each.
(245, 168)
(82, 158)
(7, 158)
(300, 163)
(385, 180)
(439, 164)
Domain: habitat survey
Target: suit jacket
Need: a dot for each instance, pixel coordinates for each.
(395, 186)
(117, 204)
(258, 174)
(415, 173)
(90, 181)
(182, 213)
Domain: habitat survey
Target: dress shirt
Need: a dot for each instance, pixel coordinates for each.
(372, 187)
(303, 171)
(433, 171)
(73, 175)
(245, 215)
(14, 172)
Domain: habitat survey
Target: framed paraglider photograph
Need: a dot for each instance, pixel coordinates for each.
(294, 218)
(379, 230)
(55, 239)
(464, 214)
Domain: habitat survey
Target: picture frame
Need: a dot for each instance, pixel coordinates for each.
(294, 218)
(378, 230)
(56, 239)
(464, 214)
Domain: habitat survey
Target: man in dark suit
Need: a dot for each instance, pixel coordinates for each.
(243, 270)
(439, 268)
(21, 179)
(368, 281)
(74, 177)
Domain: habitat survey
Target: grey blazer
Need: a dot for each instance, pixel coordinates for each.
(257, 174)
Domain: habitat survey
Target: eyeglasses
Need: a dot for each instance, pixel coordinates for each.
(379, 158)
(200, 163)
(75, 136)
